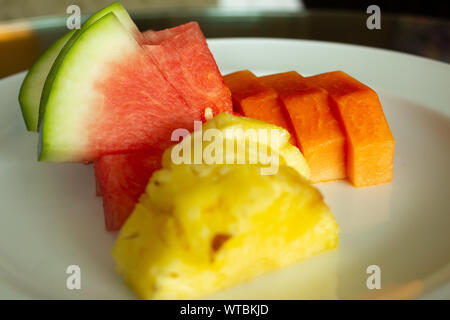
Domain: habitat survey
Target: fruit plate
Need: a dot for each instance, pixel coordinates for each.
(398, 232)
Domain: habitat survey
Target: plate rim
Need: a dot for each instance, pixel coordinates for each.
(441, 290)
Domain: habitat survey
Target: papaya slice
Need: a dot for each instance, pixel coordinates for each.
(317, 130)
(371, 146)
(254, 99)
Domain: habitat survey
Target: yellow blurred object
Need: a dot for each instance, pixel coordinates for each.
(19, 47)
(252, 136)
(202, 228)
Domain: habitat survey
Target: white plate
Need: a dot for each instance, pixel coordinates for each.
(50, 217)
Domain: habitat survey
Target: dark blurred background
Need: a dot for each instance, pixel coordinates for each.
(421, 8)
(28, 27)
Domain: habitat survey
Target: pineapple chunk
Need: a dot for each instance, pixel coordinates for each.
(199, 229)
(245, 132)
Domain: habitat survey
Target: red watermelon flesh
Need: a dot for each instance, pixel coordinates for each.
(155, 93)
(140, 109)
(156, 37)
(122, 179)
(184, 58)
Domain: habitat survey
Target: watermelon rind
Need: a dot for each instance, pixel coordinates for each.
(72, 100)
(121, 14)
(32, 85)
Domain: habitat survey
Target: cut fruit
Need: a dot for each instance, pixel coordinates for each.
(255, 100)
(182, 55)
(318, 132)
(121, 179)
(75, 102)
(156, 37)
(121, 14)
(200, 229)
(371, 146)
(33, 84)
(239, 140)
(108, 97)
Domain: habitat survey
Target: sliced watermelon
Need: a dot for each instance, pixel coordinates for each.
(109, 94)
(183, 56)
(33, 84)
(121, 180)
(120, 13)
(156, 37)
(107, 97)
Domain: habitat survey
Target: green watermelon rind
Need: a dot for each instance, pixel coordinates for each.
(33, 84)
(123, 16)
(69, 105)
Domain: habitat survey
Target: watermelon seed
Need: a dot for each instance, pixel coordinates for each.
(208, 114)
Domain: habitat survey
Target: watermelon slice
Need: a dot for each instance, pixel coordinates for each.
(33, 84)
(156, 37)
(109, 96)
(121, 179)
(183, 56)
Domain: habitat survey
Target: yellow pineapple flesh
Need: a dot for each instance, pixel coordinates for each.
(234, 132)
(202, 228)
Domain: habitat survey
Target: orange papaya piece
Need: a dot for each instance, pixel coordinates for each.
(318, 133)
(370, 144)
(253, 99)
